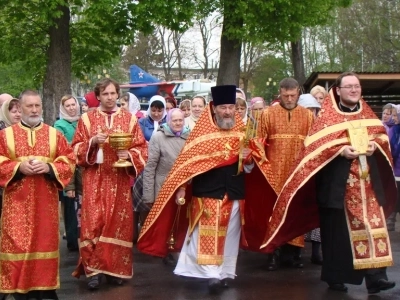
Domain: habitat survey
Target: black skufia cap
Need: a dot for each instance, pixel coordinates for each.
(223, 94)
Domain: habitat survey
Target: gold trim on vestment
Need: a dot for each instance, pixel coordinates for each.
(88, 242)
(340, 127)
(86, 121)
(28, 256)
(214, 135)
(10, 142)
(132, 123)
(115, 242)
(97, 271)
(53, 142)
(44, 159)
(33, 288)
(286, 136)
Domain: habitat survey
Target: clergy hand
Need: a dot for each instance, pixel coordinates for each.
(99, 138)
(26, 168)
(179, 195)
(371, 148)
(349, 152)
(40, 167)
(246, 153)
(123, 154)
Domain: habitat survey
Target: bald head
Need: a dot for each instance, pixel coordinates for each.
(4, 98)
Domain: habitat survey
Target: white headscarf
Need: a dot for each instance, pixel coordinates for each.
(308, 101)
(152, 99)
(133, 104)
(5, 112)
(64, 115)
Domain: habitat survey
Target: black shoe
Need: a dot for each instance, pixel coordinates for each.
(340, 287)
(169, 260)
(297, 264)
(380, 285)
(114, 280)
(94, 282)
(224, 283)
(272, 262)
(214, 285)
(391, 226)
(316, 260)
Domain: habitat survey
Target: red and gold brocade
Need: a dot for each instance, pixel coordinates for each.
(297, 201)
(206, 148)
(284, 132)
(29, 245)
(106, 221)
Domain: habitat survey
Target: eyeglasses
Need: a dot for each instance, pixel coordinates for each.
(350, 87)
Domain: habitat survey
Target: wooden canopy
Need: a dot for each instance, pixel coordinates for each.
(378, 88)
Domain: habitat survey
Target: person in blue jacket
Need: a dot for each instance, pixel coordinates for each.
(156, 116)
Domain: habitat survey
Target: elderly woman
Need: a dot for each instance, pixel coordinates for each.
(164, 147)
(319, 93)
(198, 105)
(69, 116)
(185, 107)
(314, 236)
(10, 113)
(131, 103)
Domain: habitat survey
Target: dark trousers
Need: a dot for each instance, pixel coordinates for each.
(70, 222)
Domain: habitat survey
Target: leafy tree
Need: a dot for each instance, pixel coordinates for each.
(58, 37)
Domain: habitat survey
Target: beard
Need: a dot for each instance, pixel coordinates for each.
(223, 123)
(32, 121)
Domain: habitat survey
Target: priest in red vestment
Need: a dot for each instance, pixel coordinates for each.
(344, 179)
(106, 214)
(35, 163)
(210, 175)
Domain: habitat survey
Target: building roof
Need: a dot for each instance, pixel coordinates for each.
(378, 88)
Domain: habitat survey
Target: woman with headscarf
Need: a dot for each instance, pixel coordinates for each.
(257, 105)
(164, 147)
(10, 113)
(69, 116)
(198, 105)
(131, 103)
(156, 114)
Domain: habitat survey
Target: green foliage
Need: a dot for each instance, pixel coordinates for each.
(278, 20)
(15, 77)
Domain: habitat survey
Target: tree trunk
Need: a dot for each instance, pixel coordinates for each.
(229, 62)
(57, 80)
(298, 61)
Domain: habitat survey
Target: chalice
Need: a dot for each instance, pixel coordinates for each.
(121, 141)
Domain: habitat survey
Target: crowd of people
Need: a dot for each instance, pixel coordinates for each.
(200, 181)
